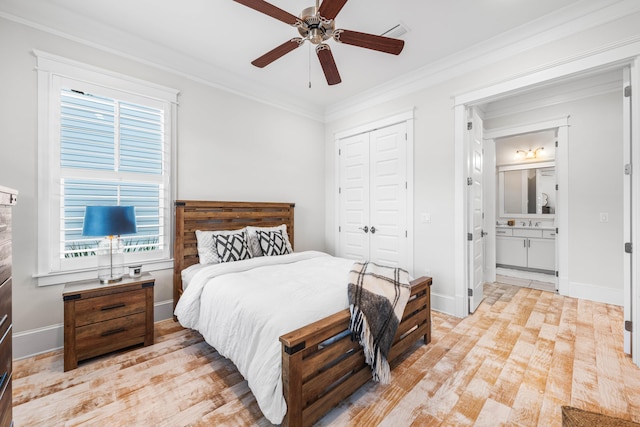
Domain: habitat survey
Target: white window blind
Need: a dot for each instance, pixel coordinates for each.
(103, 139)
(104, 134)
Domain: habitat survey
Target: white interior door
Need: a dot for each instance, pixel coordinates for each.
(627, 208)
(354, 197)
(373, 196)
(388, 218)
(475, 227)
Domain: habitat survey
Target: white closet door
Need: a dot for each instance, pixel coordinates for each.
(354, 197)
(373, 196)
(388, 154)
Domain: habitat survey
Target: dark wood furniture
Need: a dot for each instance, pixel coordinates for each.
(320, 364)
(99, 318)
(8, 198)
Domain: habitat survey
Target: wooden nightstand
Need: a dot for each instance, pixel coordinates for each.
(99, 318)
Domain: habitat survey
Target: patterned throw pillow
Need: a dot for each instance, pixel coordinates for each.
(272, 243)
(232, 247)
(207, 253)
(254, 244)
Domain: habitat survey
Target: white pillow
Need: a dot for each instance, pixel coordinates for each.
(254, 244)
(206, 248)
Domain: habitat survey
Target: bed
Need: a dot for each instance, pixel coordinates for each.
(320, 365)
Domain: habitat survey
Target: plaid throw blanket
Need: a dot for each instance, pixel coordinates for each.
(377, 297)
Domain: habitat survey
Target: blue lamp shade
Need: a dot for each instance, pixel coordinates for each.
(109, 221)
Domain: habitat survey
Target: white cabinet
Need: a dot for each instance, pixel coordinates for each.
(526, 249)
(541, 254)
(511, 251)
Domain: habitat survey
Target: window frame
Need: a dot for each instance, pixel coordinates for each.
(53, 73)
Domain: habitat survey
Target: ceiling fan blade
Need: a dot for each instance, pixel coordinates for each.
(271, 10)
(328, 64)
(369, 41)
(329, 9)
(278, 52)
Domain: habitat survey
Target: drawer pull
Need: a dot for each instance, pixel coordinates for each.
(3, 379)
(112, 307)
(3, 227)
(112, 332)
(4, 319)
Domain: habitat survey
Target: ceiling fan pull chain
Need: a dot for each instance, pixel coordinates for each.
(309, 66)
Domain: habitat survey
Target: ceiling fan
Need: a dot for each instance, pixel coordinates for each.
(317, 24)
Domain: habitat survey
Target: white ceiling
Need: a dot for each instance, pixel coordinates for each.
(215, 40)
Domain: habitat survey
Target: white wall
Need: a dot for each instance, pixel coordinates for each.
(434, 152)
(228, 148)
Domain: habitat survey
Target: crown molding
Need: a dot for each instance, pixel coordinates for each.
(224, 80)
(542, 31)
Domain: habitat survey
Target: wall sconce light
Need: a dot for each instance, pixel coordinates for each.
(530, 154)
(109, 221)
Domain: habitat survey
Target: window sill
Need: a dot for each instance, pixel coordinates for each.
(62, 277)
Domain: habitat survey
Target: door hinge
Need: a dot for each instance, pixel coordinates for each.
(339, 152)
(470, 292)
(406, 233)
(556, 230)
(469, 236)
(628, 247)
(339, 190)
(628, 325)
(406, 137)
(556, 187)
(339, 229)
(557, 273)
(469, 125)
(406, 185)
(627, 91)
(627, 169)
(469, 181)
(556, 144)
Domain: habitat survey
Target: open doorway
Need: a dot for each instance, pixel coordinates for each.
(596, 212)
(526, 206)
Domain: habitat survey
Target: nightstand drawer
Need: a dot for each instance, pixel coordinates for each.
(98, 309)
(5, 307)
(110, 335)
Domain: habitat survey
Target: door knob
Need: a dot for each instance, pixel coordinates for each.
(365, 229)
(373, 230)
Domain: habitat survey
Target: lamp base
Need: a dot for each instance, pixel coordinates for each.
(110, 260)
(106, 281)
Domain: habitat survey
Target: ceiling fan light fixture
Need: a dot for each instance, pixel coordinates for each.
(317, 24)
(316, 35)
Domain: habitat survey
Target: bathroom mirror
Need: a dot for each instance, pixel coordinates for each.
(527, 190)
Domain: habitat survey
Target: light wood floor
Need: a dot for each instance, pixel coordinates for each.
(522, 355)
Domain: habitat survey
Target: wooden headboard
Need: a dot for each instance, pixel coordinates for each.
(192, 215)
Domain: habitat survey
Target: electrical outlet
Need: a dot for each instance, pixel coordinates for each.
(604, 216)
(425, 218)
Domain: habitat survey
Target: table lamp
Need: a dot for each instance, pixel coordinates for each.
(109, 222)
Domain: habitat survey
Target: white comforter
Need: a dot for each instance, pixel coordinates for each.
(242, 308)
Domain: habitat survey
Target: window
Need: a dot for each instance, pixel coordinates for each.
(104, 139)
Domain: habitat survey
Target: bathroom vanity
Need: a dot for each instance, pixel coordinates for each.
(527, 248)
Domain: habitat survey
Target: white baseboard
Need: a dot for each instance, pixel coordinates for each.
(444, 304)
(42, 340)
(596, 293)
